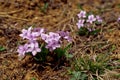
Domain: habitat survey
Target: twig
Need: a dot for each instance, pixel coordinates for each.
(14, 17)
(12, 12)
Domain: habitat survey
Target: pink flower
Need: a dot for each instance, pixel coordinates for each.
(38, 31)
(25, 33)
(44, 36)
(98, 19)
(51, 36)
(54, 36)
(53, 45)
(34, 48)
(118, 19)
(65, 35)
(80, 23)
(32, 36)
(91, 19)
(22, 50)
(52, 39)
(82, 14)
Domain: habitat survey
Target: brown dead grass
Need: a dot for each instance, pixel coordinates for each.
(60, 15)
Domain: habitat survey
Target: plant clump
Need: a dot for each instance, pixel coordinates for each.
(87, 23)
(40, 43)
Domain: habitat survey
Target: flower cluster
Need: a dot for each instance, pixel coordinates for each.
(51, 40)
(87, 20)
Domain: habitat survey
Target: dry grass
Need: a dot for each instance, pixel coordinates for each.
(63, 17)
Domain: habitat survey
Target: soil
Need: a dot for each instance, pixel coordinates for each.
(59, 15)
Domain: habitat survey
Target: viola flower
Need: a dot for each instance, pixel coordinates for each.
(89, 29)
(91, 19)
(52, 39)
(118, 19)
(25, 33)
(34, 48)
(51, 36)
(98, 19)
(54, 36)
(38, 31)
(65, 35)
(44, 36)
(80, 23)
(32, 36)
(22, 49)
(82, 14)
(53, 45)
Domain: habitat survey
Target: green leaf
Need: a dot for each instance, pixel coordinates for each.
(97, 23)
(33, 78)
(60, 52)
(89, 13)
(69, 56)
(2, 48)
(86, 63)
(117, 76)
(83, 31)
(118, 5)
(95, 32)
(113, 48)
(78, 75)
(80, 6)
(63, 52)
(67, 47)
(44, 8)
(41, 56)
